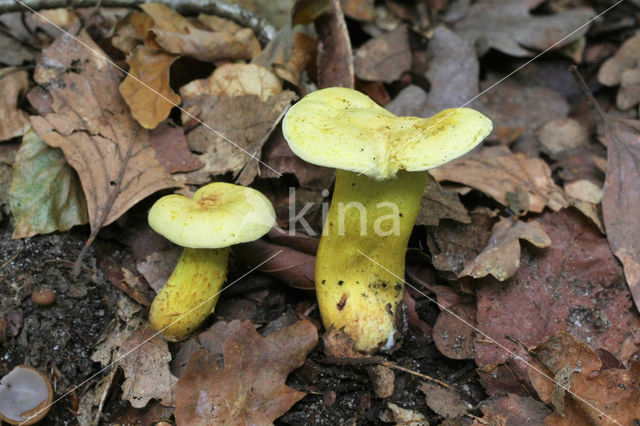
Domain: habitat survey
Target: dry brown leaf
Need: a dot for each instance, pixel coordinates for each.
(91, 124)
(250, 388)
(513, 410)
(230, 80)
(604, 396)
(496, 171)
(171, 149)
(452, 336)
(166, 19)
(501, 256)
(403, 416)
(146, 88)
(131, 31)
(562, 134)
(584, 190)
(362, 10)
(384, 58)
(146, 369)
(13, 84)
(209, 46)
(575, 285)
(217, 23)
(438, 203)
(508, 26)
(244, 120)
(624, 69)
(620, 204)
(335, 58)
(445, 402)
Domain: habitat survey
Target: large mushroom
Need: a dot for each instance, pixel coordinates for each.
(382, 161)
(218, 216)
(25, 396)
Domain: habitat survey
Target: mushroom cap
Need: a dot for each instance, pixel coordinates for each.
(343, 128)
(24, 392)
(219, 215)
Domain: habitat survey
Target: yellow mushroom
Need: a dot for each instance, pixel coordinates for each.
(382, 161)
(218, 216)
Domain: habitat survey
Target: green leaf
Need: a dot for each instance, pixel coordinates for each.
(45, 194)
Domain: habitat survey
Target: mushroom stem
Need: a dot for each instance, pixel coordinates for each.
(199, 275)
(376, 218)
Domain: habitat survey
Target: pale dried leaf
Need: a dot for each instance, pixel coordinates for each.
(563, 134)
(13, 84)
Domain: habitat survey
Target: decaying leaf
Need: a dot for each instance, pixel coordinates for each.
(171, 149)
(445, 402)
(403, 416)
(598, 396)
(13, 83)
(146, 88)
(501, 256)
(453, 331)
(250, 387)
(335, 58)
(513, 410)
(146, 369)
(496, 171)
(621, 201)
(45, 193)
(243, 120)
(563, 134)
(91, 124)
(438, 203)
(131, 31)
(624, 69)
(362, 10)
(384, 58)
(230, 80)
(453, 74)
(575, 285)
(509, 27)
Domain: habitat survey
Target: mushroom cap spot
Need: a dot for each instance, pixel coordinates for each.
(219, 215)
(343, 128)
(24, 392)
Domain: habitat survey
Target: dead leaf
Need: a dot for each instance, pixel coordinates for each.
(13, 84)
(335, 63)
(624, 69)
(384, 58)
(574, 285)
(166, 19)
(513, 410)
(243, 120)
(250, 388)
(14, 51)
(563, 134)
(362, 10)
(453, 72)
(171, 149)
(92, 126)
(146, 88)
(146, 369)
(496, 171)
(402, 416)
(508, 26)
(208, 46)
(604, 397)
(131, 31)
(157, 267)
(45, 193)
(453, 331)
(584, 190)
(621, 197)
(438, 203)
(501, 255)
(445, 402)
(231, 80)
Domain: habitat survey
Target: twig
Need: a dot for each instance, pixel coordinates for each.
(390, 364)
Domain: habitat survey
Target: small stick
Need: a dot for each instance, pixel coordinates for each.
(390, 364)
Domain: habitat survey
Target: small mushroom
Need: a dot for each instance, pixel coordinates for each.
(43, 296)
(218, 216)
(25, 396)
(382, 161)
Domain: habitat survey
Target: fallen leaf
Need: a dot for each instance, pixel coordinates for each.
(501, 255)
(243, 120)
(13, 83)
(584, 190)
(624, 69)
(171, 149)
(621, 196)
(454, 337)
(362, 10)
(166, 19)
(146, 369)
(563, 134)
(453, 72)
(604, 397)
(513, 410)
(158, 266)
(45, 193)
(335, 58)
(14, 52)
(496, 171)
(250, 388)
(92, 126)
(131, 31)
(231, 80)
(384, 58)
(575, 285)
(445, 402)
(438, 203)
(508, 26)
(403, 416)
(146, 88)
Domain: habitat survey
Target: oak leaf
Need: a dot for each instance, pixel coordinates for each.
(250, 387)
(91, 124)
